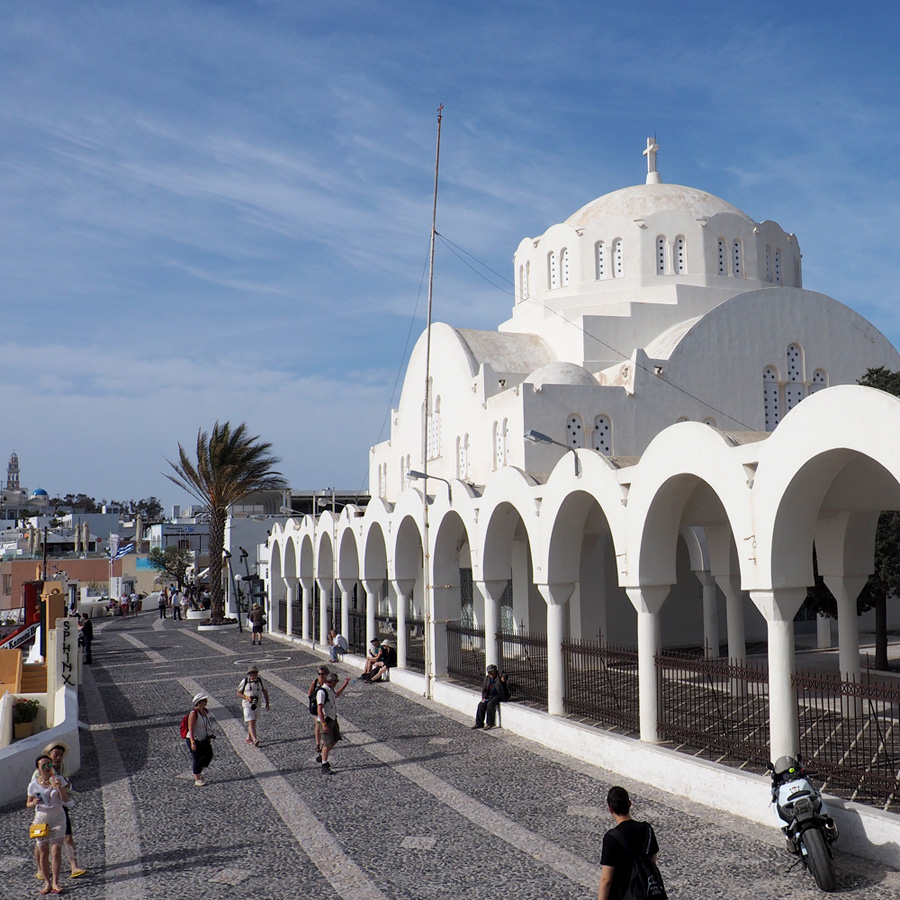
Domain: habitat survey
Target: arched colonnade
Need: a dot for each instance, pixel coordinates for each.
(705, 526)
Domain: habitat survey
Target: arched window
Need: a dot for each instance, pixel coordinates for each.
(778, 267)
(433, 439)
(525, 287)
(768, 264)
(575, 431)
(618, 258)
(819, 381)
(709, 420)
(661, 255)
(600, 261)
(794, 390)
(564, 266)
(504, 443)
(463, 457)
(723, 258)
(771, 403)
(521, 283)
(553, 270)
(737, 268)
(680, 260)
(496, 438)
(381, 491)
(602, 437)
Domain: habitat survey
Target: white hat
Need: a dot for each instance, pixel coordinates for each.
(199, 697)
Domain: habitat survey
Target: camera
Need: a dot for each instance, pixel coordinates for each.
(253, 704)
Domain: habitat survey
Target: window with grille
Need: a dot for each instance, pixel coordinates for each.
(618, 259)
(736, 263)
(661, 255)
(600, 260)
(680, 260)
(602, 437)
(771, 404)
(575, 431)
(564, 266)
(723, 259)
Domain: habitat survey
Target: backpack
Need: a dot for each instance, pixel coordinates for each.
(184, 725)
(313, 706)
(646, 882)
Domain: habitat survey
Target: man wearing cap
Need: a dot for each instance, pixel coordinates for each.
(326, 700)
(198, 737)
(493, 692)
(251, 691)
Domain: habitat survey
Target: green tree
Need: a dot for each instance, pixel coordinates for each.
(173, 562)
(229, 465)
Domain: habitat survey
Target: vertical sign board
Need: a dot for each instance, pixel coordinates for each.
(67, 631)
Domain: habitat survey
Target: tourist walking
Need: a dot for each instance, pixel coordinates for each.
(176, 604)
(326, 700)
(257, 619)
(199, 738)
(86, 638)
(57, 752)
(47, 792)
(627, 844)
(252, 691)
(185, 605)
(493, 692)
(163, 603)
(313, 697)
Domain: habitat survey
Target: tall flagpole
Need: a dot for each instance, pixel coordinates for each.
(426, 538)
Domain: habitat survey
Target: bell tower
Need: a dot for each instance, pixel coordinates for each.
(12, 473)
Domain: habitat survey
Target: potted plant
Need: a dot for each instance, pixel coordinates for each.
(24, 714)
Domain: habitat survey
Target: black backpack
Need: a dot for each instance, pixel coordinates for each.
(646, 882)
(313, 705)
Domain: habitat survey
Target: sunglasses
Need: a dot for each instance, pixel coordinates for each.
(46, 767)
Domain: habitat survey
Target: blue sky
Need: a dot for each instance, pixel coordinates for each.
(221, 210)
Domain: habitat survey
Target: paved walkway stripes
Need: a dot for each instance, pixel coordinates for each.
(123, 854)
(343, 874)
(494, 823)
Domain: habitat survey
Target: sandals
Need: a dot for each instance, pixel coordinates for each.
(78, 873)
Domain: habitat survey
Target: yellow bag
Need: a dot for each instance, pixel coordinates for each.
(39, 830)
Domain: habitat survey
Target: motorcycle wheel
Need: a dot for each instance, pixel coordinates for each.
(818, 860)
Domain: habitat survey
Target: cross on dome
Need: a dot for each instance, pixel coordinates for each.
(650, 153)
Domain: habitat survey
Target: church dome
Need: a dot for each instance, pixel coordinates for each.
(644, 200)
(39, 492)
(561, 373)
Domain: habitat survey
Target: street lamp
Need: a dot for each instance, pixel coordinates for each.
(537, 438)
(412, 473)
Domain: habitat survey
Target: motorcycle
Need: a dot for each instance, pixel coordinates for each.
(804, 819)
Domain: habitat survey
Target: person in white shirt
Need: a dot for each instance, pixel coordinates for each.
(326, 700)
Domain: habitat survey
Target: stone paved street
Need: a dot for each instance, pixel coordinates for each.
(418, 806)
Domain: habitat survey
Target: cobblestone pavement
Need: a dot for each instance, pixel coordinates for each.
(418, 805)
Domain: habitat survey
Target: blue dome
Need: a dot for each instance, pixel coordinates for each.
(40, 492)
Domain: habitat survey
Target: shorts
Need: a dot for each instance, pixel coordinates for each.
(257, 629)
(249, 714)
(332, 735)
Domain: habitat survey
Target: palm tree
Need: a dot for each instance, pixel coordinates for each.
(230, 465)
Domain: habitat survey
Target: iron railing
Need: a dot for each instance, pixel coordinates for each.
(714, 707)
(415, 644)
(601, 683)
(465, 653)
(357, 637)
(850, 735)
(297, 621)
(282, 616)
(386, 628)
(523, 657)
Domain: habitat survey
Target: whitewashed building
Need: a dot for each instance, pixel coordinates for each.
(666, 339)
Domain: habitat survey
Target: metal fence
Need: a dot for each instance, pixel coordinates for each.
(602, 683)
(282, 616)
(714, 707)
(297, 621)
(386, 628)
(415, 645)
(523, 657)
(850, 735)
(357, 637)
(465, 653)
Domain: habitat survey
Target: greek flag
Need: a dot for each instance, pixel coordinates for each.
(124, 551)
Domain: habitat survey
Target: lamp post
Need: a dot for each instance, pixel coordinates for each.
(537, 438)
(412, 473)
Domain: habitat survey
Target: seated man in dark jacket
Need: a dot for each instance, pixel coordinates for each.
(495, 690)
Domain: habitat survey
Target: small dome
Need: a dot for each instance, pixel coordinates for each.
(561, 373)
(643, 200)
(39, 492)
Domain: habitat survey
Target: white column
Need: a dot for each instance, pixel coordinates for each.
(325, 588)
(491, 590)
(306, 584)
(404, 588)
(291, 592)
(556, 595)
(730, 586)
(710, 613)
(779, 607)
(346, 600)
(648, 600)
(371, 588)
(824, 637)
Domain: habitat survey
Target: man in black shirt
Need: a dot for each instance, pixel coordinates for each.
(616, 862)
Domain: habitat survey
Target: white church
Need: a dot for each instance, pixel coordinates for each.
(645, 452)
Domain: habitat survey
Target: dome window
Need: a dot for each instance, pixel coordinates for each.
(462, 457)
(564, 266)
(522, 291)
(680, 255)
(771, 402)
(575, 431)
(778, 267)
(601, 440)
(553, 273)
(819, 381)
(768, 264)
(736, 265)
(661, 255)
(600, 261)
(618, 259)
(723, 259)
